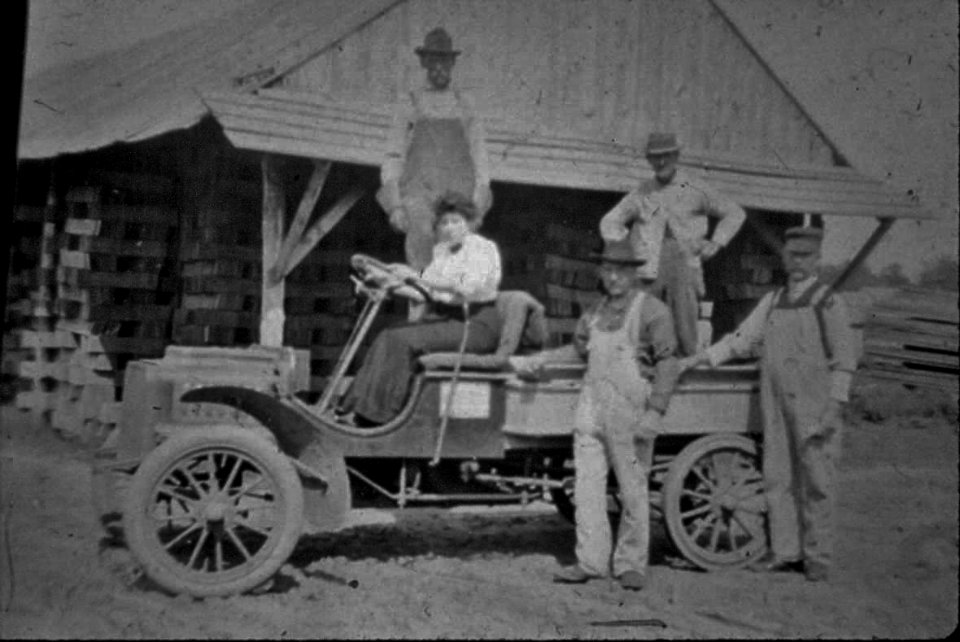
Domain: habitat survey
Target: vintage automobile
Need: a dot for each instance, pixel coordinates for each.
(223, 457)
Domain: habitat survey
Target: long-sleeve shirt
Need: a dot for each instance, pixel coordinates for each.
(747, 340)
(427, 104)
(656, 343)
(680, 208)
(474, 266)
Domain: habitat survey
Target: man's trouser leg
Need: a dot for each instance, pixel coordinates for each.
(631, 458)
(420, 237)
(590, 495)
(818, 470)
(780, 461)
(678, 282)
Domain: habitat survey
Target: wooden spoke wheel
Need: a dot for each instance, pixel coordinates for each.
(213, 511)
(713, 502)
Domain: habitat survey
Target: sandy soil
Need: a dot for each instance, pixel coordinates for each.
(486, 572)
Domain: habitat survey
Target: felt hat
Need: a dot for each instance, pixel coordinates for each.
(620, 252)
(662, 143)
(437, 43)
(803, 238)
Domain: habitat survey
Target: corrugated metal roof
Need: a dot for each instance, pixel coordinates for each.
(153, 87)
(306, 124)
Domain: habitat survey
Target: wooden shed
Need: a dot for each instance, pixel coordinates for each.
(207, 186)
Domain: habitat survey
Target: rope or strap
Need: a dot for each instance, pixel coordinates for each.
(445, 418)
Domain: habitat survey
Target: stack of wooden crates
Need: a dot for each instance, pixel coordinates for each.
(102, 296)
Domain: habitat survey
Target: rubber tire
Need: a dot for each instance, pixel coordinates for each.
(672, 491)
(164, 569)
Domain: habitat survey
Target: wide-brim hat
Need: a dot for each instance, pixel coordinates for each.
(437, 43)
(803, 238)
(661, 143)
(619, 252)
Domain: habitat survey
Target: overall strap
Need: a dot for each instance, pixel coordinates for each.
(632, 319)
(814, 297)
(823, 295)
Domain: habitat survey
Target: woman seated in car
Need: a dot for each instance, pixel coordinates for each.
(465, 269)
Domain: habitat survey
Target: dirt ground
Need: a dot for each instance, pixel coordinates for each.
(485, 572)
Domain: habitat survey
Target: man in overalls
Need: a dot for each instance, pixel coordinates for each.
(628, 342)
(436, 145)
(807, 359)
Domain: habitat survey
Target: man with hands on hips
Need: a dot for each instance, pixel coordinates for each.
(628, 342)
(802, 335)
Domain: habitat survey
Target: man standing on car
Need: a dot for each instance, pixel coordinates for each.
(807, 359)
(436, 145)
(666, 219)
(628, 343)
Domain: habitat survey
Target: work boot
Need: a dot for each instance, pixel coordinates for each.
(816, 571)
(573, 575)
(770, 563)
(632, 580)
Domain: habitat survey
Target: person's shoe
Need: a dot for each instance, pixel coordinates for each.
(573, 575)
(770, 563)
(632, 580)
(816, 571)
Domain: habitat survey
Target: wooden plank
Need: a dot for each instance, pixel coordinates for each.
(200, 251)
(82, 278)
(891, 338)
(320, 229)
(877, 354)
(122, 345)
(304, 211)
(909, 377)
(144, 214)
(272, 291)
(880, 321)
(82, 226)
(36, 400)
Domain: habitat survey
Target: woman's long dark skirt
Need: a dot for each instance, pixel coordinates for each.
(382, 384)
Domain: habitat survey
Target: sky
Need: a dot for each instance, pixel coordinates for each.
(879, 75)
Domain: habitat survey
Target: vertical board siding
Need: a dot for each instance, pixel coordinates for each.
(612, 70)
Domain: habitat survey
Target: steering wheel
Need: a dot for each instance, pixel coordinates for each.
(382, 276)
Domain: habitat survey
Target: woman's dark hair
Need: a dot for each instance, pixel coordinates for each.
(456, 202)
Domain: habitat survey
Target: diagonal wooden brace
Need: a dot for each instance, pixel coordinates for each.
(321, 169)
(318, 230)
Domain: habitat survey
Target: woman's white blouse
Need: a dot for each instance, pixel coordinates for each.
(475, 266)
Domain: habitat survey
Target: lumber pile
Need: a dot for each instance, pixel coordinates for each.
(100, 296)
(911, 336)
(114, 299)
(220, 304)
(29, 309)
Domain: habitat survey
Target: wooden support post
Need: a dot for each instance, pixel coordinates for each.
(271, 302)
(309, 200)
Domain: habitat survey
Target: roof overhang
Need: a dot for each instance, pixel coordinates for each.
(153, 86)
(312, 125)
